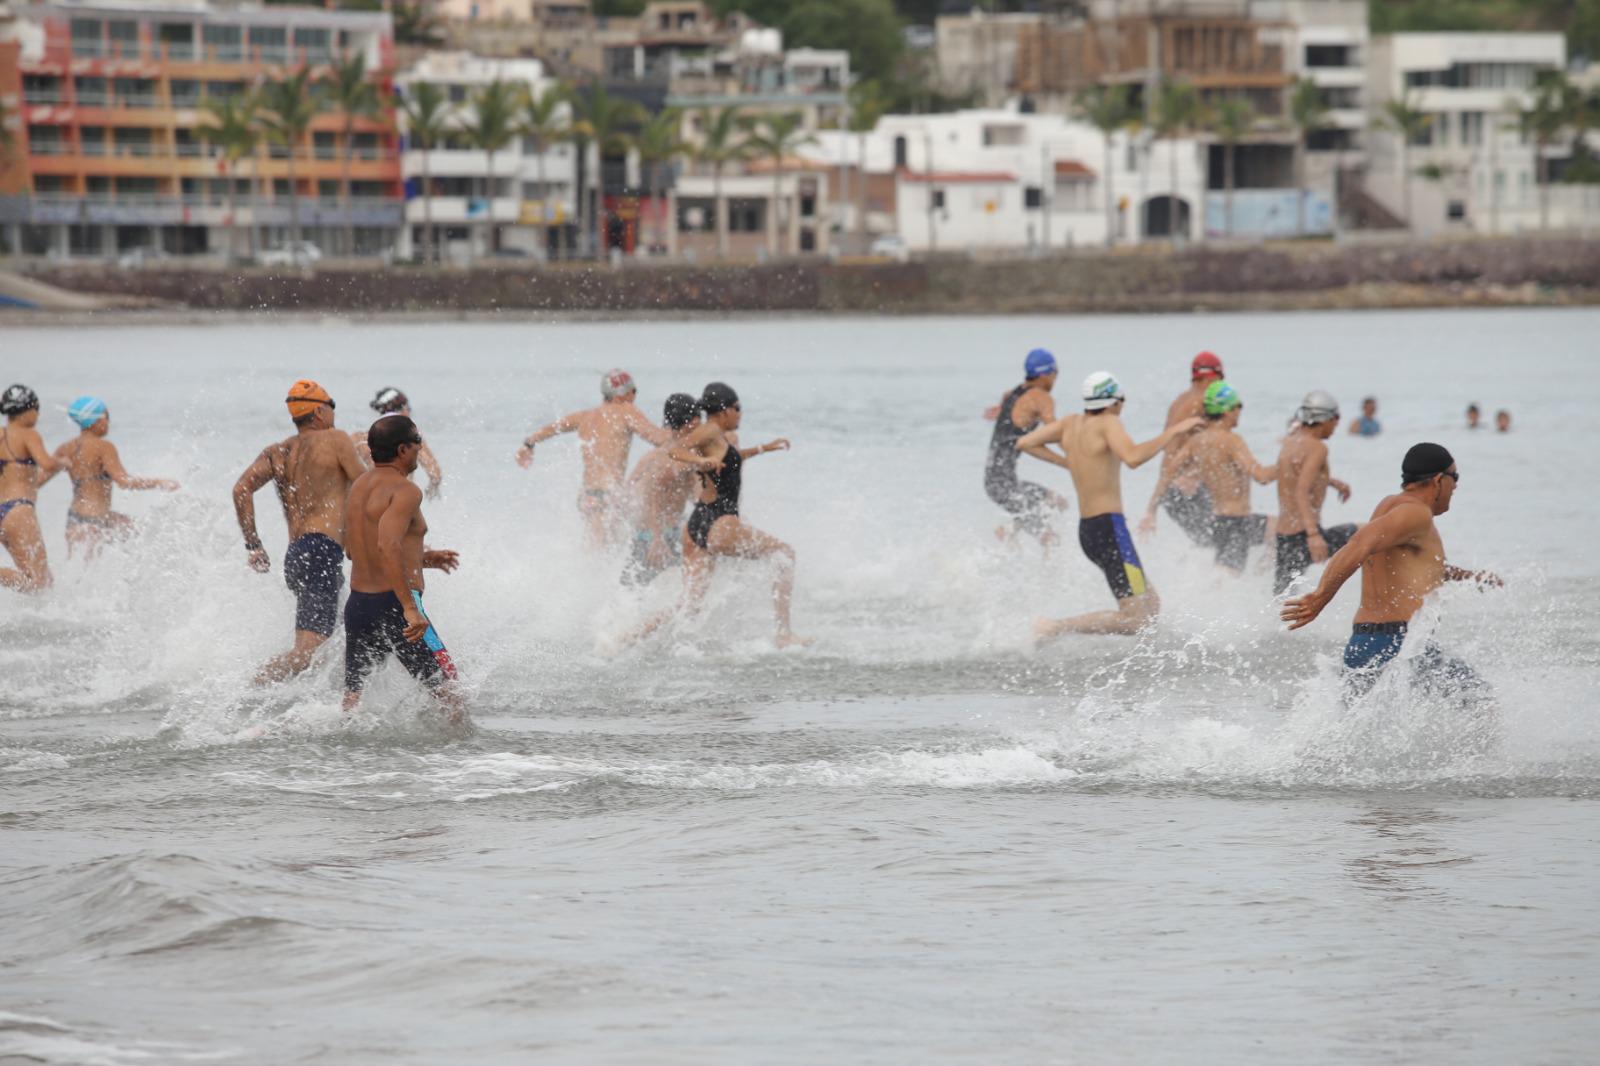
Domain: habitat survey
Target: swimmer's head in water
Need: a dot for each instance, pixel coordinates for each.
(388, 434)
(87, 410)
(17, 399)
(718, 397)
(1204, 367)
(1100, 391)
(681, 410)
(1424, 462)
(389, 400)
(1220, 399)
(1038, 364)
(305, 397)
(1318, 407)
(614, 383)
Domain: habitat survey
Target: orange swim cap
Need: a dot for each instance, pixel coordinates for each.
(305, 396)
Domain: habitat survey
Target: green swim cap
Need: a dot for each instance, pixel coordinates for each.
(1221, 398)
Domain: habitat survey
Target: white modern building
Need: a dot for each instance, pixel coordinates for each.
(530, 195)
(767, 215)
(1470, 169)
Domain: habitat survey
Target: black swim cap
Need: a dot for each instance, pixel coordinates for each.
(388, 400)
(17, 399)
(1424, 461)
(718, 397)
(386, 435)
(681, 409)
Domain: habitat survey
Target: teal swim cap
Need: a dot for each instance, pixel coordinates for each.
(1221, 398)
(87, 410)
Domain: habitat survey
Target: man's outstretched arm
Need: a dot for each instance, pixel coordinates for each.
(1397, 527)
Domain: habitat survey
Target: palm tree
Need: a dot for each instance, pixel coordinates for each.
(349, 91)
(428, 117)
(1308, 114)
(415, 24)
(721, 143)
(545, 122)
(495, 108)
(287, 107)
(660, 144)
(232, 128)
(776, 137)
(1556, 103)
(1230, 121)
(1409, 123)
(604, 121)
(1177, 107)
(867, 105)
(1106, 108)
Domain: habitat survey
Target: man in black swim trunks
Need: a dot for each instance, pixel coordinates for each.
(313, 471)
(384, 615)
(1303, 483)
(1020, 410)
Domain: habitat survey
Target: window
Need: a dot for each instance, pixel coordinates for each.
(1002, 136)
(88, 37)
(1032, 197)
(1330, 55)
(1472, 128)
(124, 38)
(270, 43)
(225, 43)
(313, 45)
(938, 199)
(1456, 210)
(91, 92)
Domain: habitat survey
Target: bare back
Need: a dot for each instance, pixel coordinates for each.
(659, 488)
(19, 481)
(1218, 459)
(1302, 457)
(1396, 580)
(313, 473)
(380, 493)
(88, 460)
(1189, 404)
(1096, 469)
(605, 434)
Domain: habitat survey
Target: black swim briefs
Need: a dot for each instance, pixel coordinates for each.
(1294, 554)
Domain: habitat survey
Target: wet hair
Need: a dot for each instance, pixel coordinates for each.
(387, 434)
(680, 411)
(1472, 409)
(1424, 462)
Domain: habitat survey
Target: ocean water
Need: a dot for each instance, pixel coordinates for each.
(919, 840)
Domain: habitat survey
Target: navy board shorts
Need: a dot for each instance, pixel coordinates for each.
(375, 628)
(1374, 645)
(313, 568)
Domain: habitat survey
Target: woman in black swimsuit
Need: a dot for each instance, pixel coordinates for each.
(94, 466)
(25, 464)
(715, 528)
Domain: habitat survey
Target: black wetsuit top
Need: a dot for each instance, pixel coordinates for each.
(1001, 469)
(727, 482)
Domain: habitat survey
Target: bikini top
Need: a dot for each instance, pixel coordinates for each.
(101, 476)
(13, 459)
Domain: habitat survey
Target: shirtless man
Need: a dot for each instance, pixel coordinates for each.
(658, 491)
(94, 466)
(1303, 482)
(1097, 448)
(1185, 498)
(605, 434)
(384, 614)
(313, 471)
(1024, 407)
(1401, 558)
(391, 401)
(25, 464)
(1219, 457)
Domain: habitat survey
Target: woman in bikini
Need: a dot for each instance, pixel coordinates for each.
(25, 464)
(91, 461)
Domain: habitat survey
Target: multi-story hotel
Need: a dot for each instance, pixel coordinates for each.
(109, 97)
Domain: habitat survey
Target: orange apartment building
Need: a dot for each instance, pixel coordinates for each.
(105, 156)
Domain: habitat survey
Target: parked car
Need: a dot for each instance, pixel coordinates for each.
(303, 254)
(134, 258)
(890, 246)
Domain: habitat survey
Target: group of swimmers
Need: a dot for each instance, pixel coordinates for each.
(1204, 485)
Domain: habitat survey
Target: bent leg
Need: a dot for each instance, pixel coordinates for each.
(1132, 615)
(294, 661)
(729, 536)
(22, 538)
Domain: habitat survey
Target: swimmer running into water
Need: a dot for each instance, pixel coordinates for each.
(94, 466)
(1186, 499)
(384, 614)
(1098, 447)
(1024, 407)
(391, 401)
(25, 464)
(658, 491)
(605, 434)
(313, 471)
(1402, 562)
(1303, 482)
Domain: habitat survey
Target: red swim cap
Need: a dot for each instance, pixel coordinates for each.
(1205, 364)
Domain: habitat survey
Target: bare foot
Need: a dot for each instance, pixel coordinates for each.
(789, 640)
(1043, 629)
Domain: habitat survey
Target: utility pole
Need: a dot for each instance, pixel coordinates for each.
(927, 147)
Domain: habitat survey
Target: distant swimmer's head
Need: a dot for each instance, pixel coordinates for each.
(1040, 364)
(1220, 399)
(389, 401)
(308, 402)
(389, 437)
(681, 410)
(1502, 421)
(1205, 367)
(87, 410)
(719, 399)
(19, 400)
(1318, 408)
(1430, 470)
(1101, 392)
(617, 385)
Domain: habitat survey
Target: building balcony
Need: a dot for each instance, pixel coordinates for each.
(453, 210)
(142, 210)
(44, 96)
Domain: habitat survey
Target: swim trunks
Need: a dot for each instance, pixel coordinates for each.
(1374, 645)
(313, 568)
(1294, 554)
(1022, 499)
(7, 507)
(375, 628)
(639, 570)
(1235, 534)
(1192, 513)
(99, 521)
(1104, 539)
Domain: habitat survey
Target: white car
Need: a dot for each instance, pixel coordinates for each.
(303, 254)
(890, 246)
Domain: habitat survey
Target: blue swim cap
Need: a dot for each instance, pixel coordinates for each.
(1039, 363)
(87, 410)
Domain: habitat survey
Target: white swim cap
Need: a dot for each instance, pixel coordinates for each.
(1318, 407)
(1100, 390)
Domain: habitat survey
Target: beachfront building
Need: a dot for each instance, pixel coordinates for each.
(1469, 168)
(110, 96)
(975, 52)
(526, 206)
(770, 213)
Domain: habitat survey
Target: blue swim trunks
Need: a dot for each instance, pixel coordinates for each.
(1374, 645)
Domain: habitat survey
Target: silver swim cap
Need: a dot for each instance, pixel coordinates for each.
(1318, 407)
